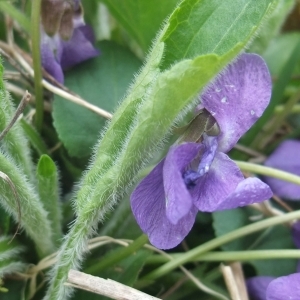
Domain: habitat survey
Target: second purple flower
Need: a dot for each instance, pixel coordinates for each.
(71, 41)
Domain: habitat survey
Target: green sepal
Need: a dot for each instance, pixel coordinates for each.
(201, 123)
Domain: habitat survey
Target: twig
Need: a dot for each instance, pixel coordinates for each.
(4, 49)
(15, 89)
(25, 100)
(105, 287)
(96, 242)
(20, 92)
(266, 209)
(239, 279)
(190, 276)
(234, 282)
(248, 151)
(175, 287)
(12, 75)
(61, 92)
(282, 203)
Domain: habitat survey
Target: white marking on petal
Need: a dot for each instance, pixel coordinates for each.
(224, 100)
(252, 112)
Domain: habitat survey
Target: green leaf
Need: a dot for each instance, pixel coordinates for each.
(47, 180)
(279, 237)
(272, 26)
(211, 26)
(17, 15)
(228, 220)
(101, 81)
(35, 139)
(142, 19)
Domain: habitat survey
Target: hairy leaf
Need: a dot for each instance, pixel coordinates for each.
(211, 26)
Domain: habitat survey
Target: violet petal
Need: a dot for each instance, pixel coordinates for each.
(217, 184)
(224, 187)
(77, 49)
(257, 287)
(250, 190)
(178, 197)
(296, 234)
(50, 49)
(285, 287)
(285, 158)
(149, 209)
(88, 32)
(238, 97)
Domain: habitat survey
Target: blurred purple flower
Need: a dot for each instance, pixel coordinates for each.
(59, 54)
(269, 288)
(201, 176)
(281, 288)
(286, 158)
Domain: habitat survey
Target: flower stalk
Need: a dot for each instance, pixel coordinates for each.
(219, 241)
(36, 56)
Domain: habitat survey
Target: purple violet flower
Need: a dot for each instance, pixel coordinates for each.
(285, 158)
(58, 54)
(269, 288)
(281, 288)
(200, 176)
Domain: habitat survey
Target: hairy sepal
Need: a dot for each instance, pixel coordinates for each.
(33, 215)
(15, 143)
(117, 131)
(10, 256)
